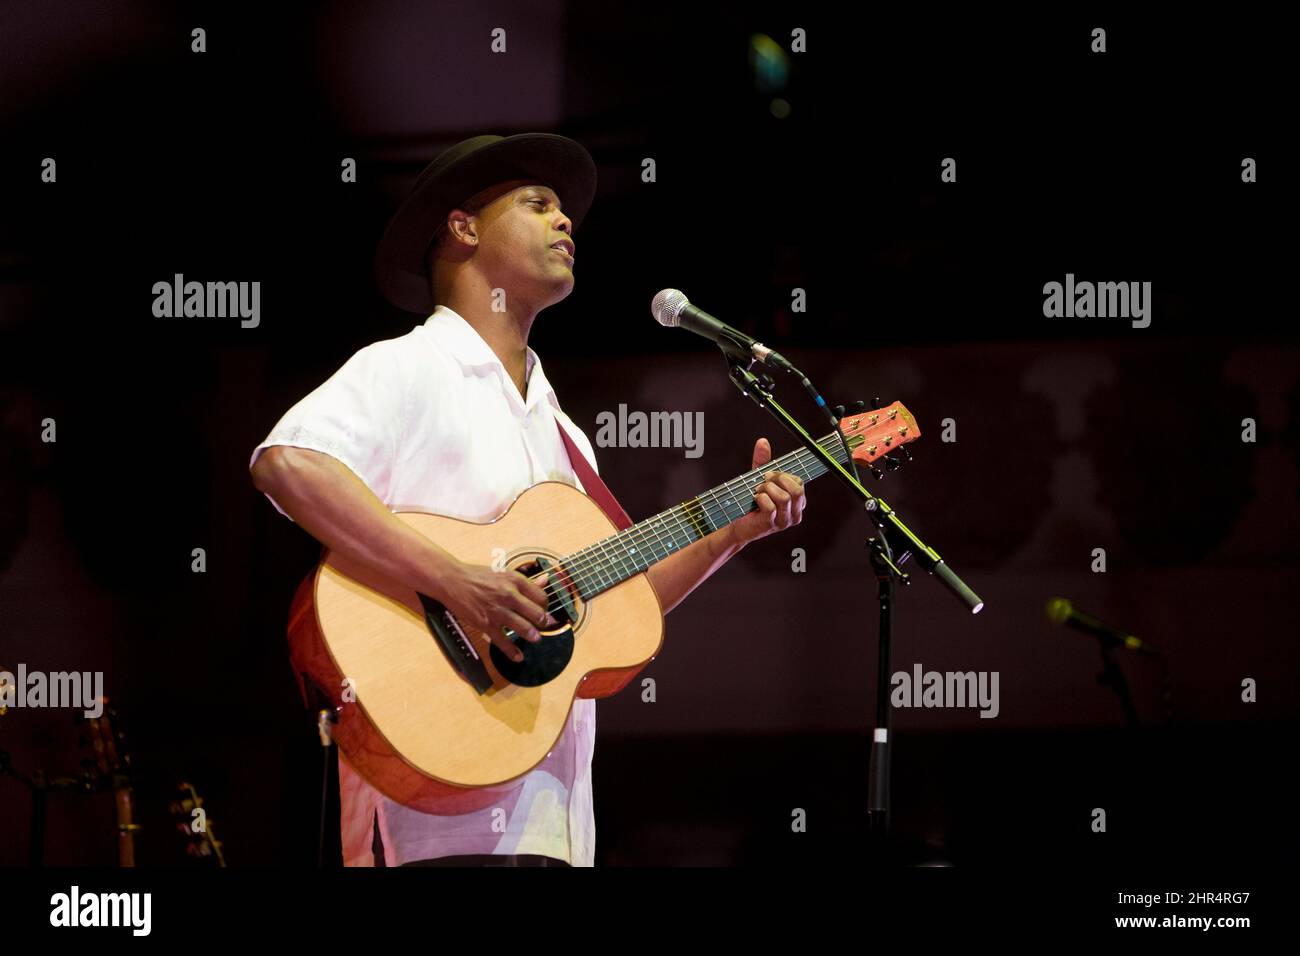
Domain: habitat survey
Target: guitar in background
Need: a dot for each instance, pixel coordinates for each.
(112, 768)
(192, 819)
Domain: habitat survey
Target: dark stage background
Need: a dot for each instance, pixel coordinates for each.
(1071, 434)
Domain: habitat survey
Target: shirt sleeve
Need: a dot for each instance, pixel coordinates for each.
(355, 417)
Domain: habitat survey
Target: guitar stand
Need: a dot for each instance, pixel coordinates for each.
(885, 567)
(40, 786)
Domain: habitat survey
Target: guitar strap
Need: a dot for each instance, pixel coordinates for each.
(591, 482)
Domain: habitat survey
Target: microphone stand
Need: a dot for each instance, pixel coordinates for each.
(1112, 675)
(885, 567)
(328, 849)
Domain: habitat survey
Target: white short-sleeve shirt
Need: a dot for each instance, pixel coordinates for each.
(431, 421)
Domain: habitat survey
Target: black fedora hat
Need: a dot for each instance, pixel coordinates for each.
(458, 173)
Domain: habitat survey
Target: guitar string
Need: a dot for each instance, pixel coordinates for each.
(655, 530)
(802, 458)
(642, 535)
(585, 562)
(612, 557)
(710, 502)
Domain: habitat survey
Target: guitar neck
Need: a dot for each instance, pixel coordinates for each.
(612, 560)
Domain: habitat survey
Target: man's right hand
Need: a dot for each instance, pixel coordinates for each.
(489, 601)
(332, 504)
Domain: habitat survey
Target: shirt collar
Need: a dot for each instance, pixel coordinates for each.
(462, 340)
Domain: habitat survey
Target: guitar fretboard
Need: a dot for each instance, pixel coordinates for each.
(612, 560)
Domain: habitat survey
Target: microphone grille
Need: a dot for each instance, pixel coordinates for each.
(667, 307)
(1058, 610)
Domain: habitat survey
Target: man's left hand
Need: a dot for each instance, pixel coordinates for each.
(780, 500)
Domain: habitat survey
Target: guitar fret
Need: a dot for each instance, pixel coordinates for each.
(658, 544)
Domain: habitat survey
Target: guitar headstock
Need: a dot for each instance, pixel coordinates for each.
(192, 820)
(111, 766)
(108, 742)
(872, 435)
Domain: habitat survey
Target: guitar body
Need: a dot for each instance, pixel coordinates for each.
(408, 721)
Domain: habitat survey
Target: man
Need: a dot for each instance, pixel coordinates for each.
(457, 418)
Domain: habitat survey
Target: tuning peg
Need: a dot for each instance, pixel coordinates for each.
(907, 455)
(877, 473)
(892, 464)
(839, 411)
(876, 402)
(859, 406)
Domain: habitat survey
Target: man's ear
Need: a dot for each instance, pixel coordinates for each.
(462, 226)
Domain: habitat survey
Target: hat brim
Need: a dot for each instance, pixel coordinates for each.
(555, 161)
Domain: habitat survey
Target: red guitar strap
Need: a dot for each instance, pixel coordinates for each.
(591, 482)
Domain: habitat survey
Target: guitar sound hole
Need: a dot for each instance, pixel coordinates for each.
(547, 659)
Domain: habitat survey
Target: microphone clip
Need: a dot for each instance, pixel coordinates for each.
(741, 371)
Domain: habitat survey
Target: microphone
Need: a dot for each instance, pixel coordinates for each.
(671, 308)
(1061, 611)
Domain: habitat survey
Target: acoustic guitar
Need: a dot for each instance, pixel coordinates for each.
(112, 766)
(433, 714)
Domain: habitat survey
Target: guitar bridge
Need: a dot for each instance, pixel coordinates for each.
(456, 645)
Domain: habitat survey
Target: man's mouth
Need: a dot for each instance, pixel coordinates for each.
(566, 247)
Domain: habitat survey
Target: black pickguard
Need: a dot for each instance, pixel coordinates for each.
(543, 661)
